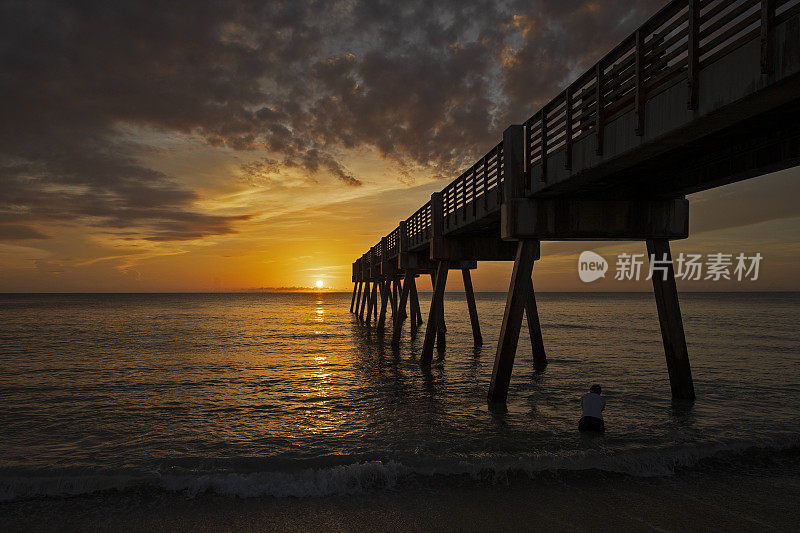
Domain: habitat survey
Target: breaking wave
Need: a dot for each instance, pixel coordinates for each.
(373, 476)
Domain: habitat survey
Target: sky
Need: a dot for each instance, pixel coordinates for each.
(225, 146)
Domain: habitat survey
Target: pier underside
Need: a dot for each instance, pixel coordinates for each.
(702, 95)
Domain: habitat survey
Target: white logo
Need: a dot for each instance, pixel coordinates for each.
(591, 266)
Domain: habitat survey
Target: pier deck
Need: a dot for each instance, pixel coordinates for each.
(705, 93)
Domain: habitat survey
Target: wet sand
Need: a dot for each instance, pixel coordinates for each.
(761, 498)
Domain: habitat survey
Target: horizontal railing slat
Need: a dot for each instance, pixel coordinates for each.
(647, 62)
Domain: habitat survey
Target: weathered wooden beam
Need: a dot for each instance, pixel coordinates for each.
(412, 289)
(669, 317)
(514, 178)
(434, 314)
(421, 261)
(364, 301)
(392, 289)
(398, 324)
(419, 310)
(473, 249)
(441, 327)
(579, 219)
(437, 225)
(358, 298)
(370, 303)
(415, 305)
(473, 310)
(514, 164)
(512, 320)
(385, 267)
(401, 309)
(535, 329)
(353, 298)
(375, 300)
(384, 285)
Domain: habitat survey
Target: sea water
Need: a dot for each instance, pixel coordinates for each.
(289, 395)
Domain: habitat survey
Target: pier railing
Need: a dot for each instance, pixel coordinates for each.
(670, 48)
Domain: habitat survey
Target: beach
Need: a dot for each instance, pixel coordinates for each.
(760, 497)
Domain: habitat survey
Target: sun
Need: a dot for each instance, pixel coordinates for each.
(319, 284)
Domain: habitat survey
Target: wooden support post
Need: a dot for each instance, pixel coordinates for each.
(385, 268)
(669, 316)
(512, 320)
(384, 300)
(535, 329)
(693, 73)
(434, 314)
(401, 309)
(375, 301)
(416, 314)
(375, 296)
(398, 324)
(473, 310)
(767, 36)
(392, 289)
(358, 298)
(412, 286)
(364, 301)
(640, 95)
(416, 303)
(437, 253)
(370, 303)
(353, 298)
(441, 327)
(360, 302)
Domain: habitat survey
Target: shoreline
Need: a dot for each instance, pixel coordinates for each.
(744, 499)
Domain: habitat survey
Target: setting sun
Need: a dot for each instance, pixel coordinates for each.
(319, 284)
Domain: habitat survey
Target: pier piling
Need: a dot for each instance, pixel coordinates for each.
(353, 298)
(610, 158)
(435, 321)
(473, 310)
(518, 293)
(535, 330)
(398, 324)
(669, 317)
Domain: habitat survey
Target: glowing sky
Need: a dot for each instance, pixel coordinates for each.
(158, 146)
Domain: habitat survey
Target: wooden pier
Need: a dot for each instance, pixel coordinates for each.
(705, 93)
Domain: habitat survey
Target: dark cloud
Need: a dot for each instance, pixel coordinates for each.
(427, 86)
(18, 232)
(557, 41)
(260, 172)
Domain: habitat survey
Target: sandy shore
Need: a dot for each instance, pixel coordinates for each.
(755, 500)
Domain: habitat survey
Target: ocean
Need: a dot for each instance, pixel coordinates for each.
(287, 398)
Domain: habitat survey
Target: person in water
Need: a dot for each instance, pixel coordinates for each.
(592, 405)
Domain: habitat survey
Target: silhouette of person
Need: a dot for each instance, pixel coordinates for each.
(592, 405)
